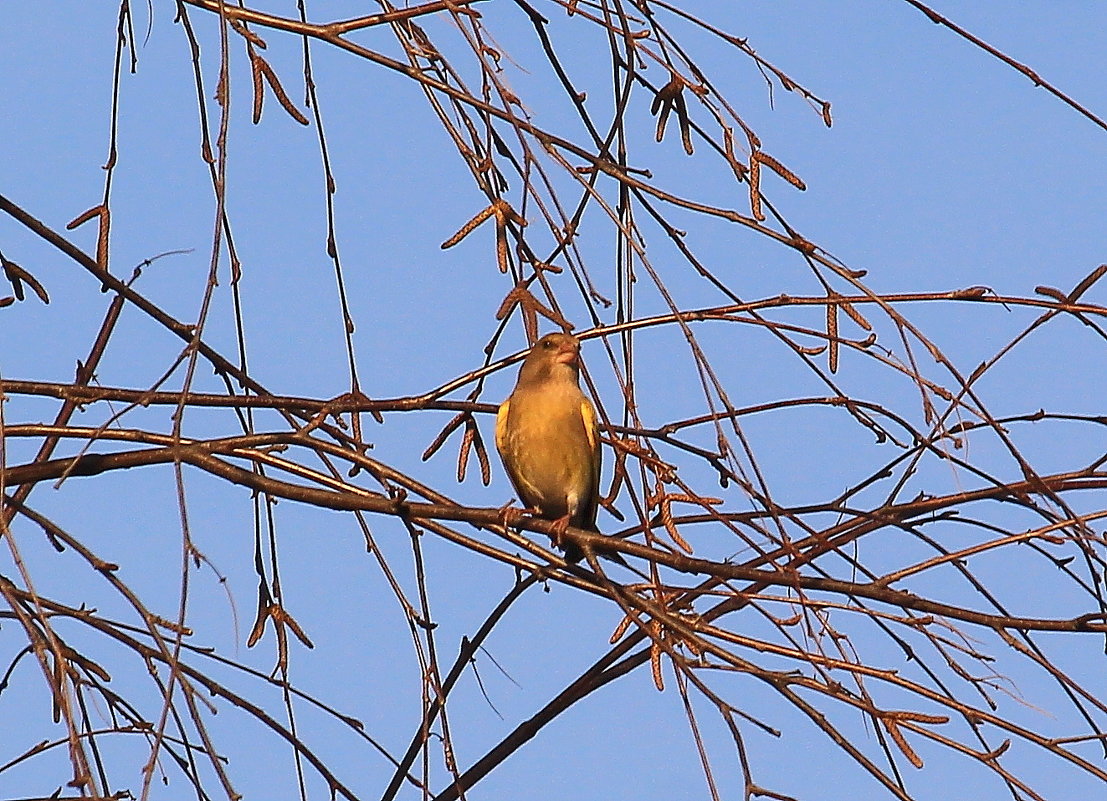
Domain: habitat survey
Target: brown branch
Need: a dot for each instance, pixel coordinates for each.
(203, 456)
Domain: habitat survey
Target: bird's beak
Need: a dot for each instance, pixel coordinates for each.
(567, 354)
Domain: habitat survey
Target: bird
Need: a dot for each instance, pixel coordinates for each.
(549, 440)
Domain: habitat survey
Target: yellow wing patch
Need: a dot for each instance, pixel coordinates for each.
(592, 431)
(501, 426)
(591, 428)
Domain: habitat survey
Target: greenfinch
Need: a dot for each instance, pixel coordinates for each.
(548, 439)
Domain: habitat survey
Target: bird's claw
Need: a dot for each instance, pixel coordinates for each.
(558, 529)
(511, 515)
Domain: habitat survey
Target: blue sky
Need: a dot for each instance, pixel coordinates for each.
(944, 169)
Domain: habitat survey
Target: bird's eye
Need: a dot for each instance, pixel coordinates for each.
(548, 343)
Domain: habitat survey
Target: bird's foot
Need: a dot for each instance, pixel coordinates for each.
(557, 531)
(572, 551)
(511, 515)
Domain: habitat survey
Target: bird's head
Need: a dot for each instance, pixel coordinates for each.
(551, 355)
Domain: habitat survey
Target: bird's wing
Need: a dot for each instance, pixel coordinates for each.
(527, 494)
(501, 425)
(592, 431)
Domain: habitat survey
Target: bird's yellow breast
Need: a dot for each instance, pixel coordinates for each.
(548, 442)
